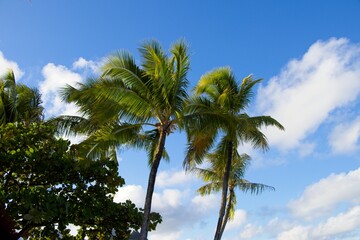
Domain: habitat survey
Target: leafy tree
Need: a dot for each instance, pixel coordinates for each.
(44, 187)
(213, 176)
(139, 105)
(217, 112)
(18, 102)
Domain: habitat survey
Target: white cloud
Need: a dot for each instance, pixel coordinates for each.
(276, 225)
(165, 201)
(307, 90)
(320, 198)
(165, 235)
(342, 223)
(250, 231)
(240, 218)
(83, 64)
(135, 193)
(259, 161)
(341, 226)
(55, 78)
(6, 65)
(173, 178)
(206, 203)
(344, 137)
(178, 210)
(295, 233)
(168, 199)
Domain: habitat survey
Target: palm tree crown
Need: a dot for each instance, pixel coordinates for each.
(217, 112)
(213, 177)
(18, 102)
(137, 105)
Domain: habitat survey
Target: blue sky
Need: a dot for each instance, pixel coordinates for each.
(307, 52)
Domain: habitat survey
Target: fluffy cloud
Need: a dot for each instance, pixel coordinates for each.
(250, 231)
(320, 198)
(340, 226)
(178, 209)
(344, 138)
(206, 203)
(166, 200)
(173, 178)
(165, 235)
(295, 233)
(87, 65)
(135, 193)
(239, 219)
(6, 65)
(55, 78)
(307, 90)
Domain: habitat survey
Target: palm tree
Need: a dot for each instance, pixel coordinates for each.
(213, 176)
(217, 110)
(18, 102)
(139, 105)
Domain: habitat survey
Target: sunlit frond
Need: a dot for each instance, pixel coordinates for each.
(209, 188)
(253, 188)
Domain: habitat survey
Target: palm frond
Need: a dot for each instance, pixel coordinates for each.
(245, 93)
(209, 188)
(198, 146)
(109, 136)
(122, 66)
(253, 188)
(206, 174)
(151, 140)
(265, 121)
(73, 125)
(181, 64)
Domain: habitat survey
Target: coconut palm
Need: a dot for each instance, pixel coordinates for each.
(217, 111)
(213, 176)
(139, 105)
(18, 102)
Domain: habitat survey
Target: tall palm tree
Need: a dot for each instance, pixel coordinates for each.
(213, 176)
(217, 110)
(18, 102)
(139, 104)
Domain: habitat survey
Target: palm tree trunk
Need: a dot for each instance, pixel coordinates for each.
(224, 192)
(151, 185)
(227, 211)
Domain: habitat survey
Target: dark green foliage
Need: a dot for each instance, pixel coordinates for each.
(44, 188)
(18, 102)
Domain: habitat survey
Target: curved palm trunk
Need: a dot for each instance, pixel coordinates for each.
(227, 211)
(151, 185)
(224, 192)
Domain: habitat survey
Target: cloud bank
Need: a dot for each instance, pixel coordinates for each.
(309, 89)
(320, 198)
(6, 65)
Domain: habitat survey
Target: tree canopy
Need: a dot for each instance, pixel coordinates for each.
(44, 187)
